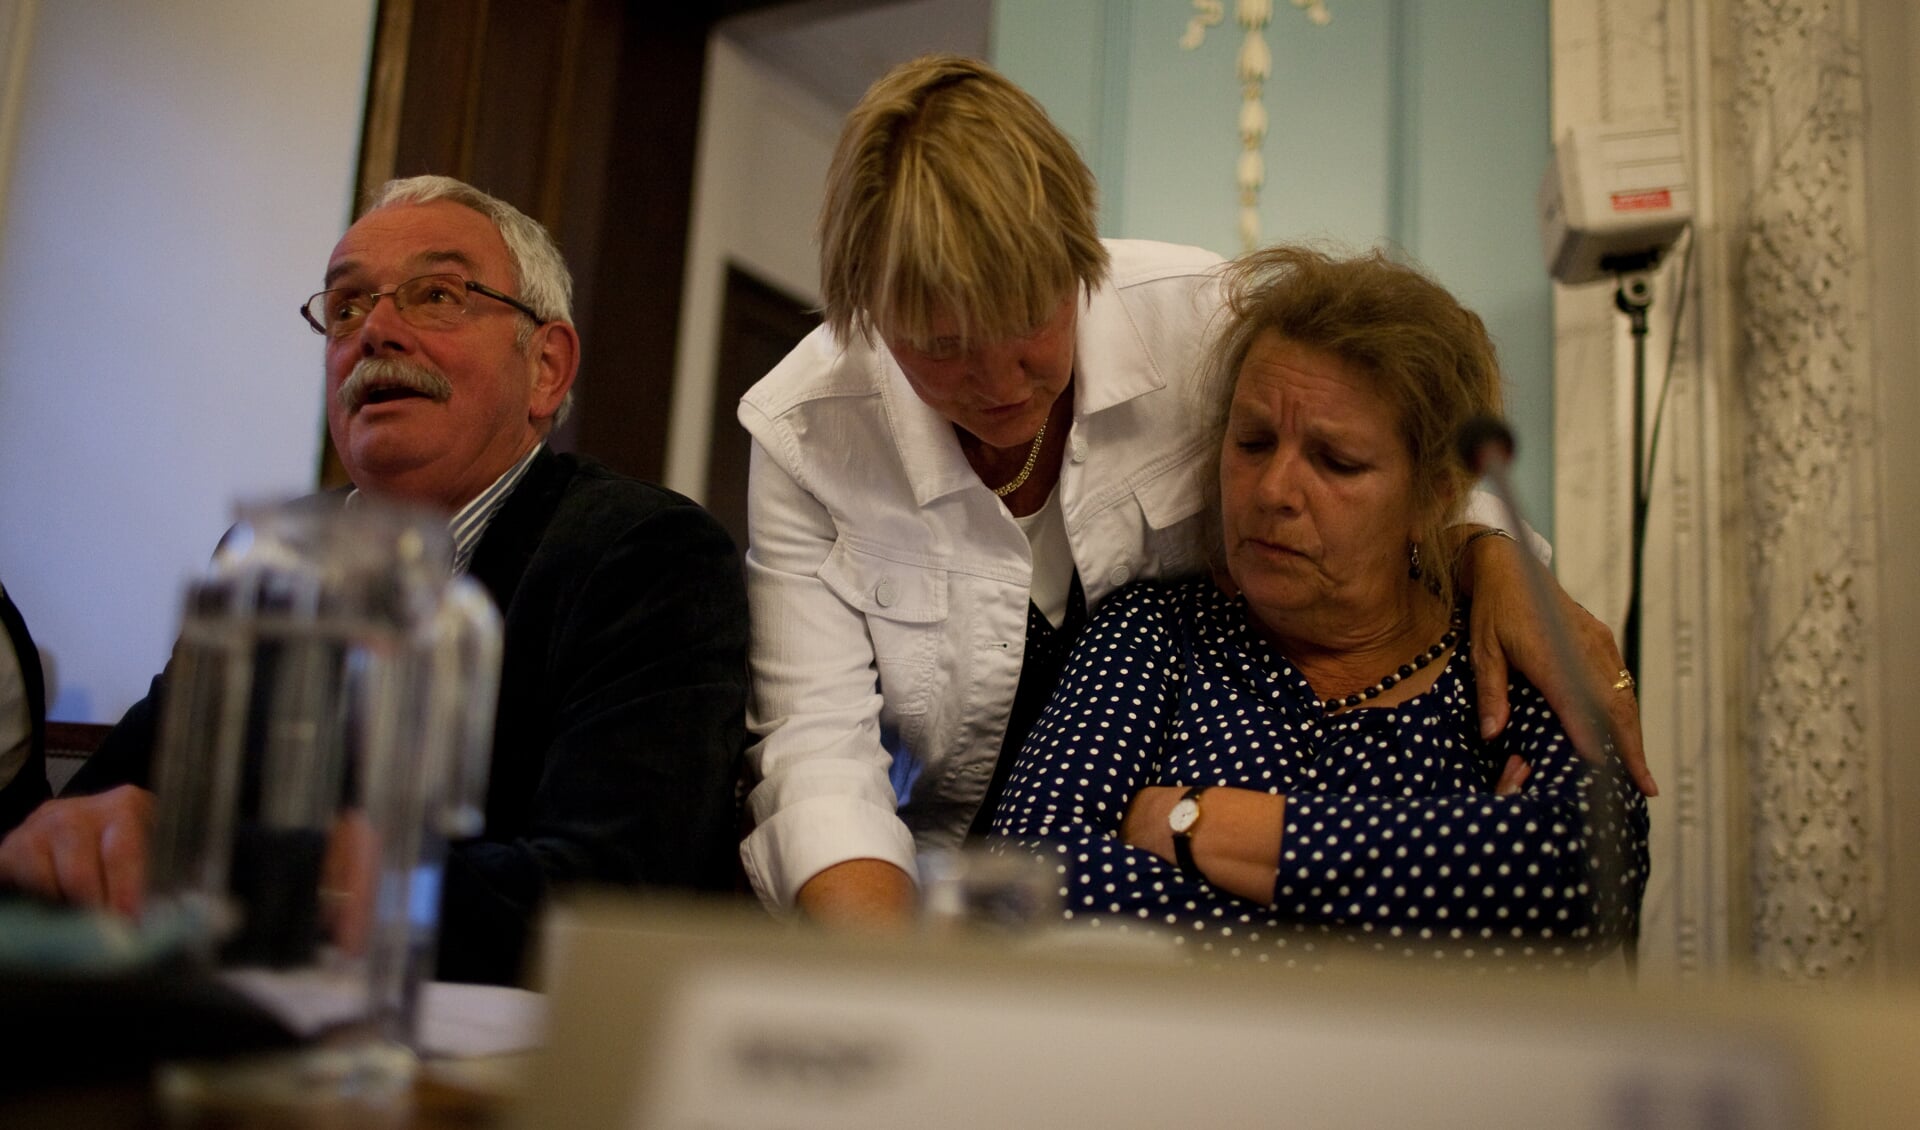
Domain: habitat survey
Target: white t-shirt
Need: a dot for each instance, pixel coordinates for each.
(1046, 532)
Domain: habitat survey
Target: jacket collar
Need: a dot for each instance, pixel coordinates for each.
(1108, 341)
(517, 527)
(929, 451)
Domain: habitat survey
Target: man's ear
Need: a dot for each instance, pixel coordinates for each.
(554, 354)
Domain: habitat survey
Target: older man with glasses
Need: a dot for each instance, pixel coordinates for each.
(450, 357)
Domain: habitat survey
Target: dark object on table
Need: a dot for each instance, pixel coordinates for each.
(76, 1027)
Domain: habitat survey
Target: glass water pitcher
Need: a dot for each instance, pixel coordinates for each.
(326, 731)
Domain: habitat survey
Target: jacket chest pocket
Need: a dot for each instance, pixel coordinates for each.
(1171, 504)
(905, 609)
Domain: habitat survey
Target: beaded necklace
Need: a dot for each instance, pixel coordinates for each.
(1406, 670)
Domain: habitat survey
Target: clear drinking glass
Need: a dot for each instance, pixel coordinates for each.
(999, 889)
(326, 731)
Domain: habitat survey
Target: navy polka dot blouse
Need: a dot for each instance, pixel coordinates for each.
(1394, 840)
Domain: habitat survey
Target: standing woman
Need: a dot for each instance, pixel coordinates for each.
(990, 434)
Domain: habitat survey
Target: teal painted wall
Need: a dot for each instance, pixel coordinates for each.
(1421, 124)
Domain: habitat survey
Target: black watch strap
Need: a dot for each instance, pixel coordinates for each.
(1183, 840)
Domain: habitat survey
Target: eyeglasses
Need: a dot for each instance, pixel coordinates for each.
(433, 302)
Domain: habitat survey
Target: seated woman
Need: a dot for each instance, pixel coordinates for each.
(1291, 757)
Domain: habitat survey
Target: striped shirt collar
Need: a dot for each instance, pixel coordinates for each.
(469, 523)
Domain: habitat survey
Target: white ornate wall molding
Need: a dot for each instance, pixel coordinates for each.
(1807, 461)
(1890, 33)
(1614, 61)
(1761, 661)
(1252, 66)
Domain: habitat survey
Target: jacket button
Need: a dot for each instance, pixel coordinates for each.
(1118, 575)
(883, 594)
(1077, 448)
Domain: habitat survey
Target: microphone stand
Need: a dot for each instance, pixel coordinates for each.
(1632, 296)
(1487, 447)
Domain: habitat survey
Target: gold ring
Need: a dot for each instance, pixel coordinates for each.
(1625, 681)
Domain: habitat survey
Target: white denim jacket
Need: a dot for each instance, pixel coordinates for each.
(889, 586)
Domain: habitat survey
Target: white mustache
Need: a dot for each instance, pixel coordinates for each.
(391, 372)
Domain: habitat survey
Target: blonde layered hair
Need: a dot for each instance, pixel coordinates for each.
(1423, 352)
(951, 192)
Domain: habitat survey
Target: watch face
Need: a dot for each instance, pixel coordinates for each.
(1183, 815)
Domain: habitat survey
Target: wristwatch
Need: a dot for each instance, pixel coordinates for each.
(1183, 818)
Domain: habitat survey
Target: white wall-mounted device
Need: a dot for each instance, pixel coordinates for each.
(1613, 192)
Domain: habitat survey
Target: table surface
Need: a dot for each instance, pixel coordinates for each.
(469, 1097)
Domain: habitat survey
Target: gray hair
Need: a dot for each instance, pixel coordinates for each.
(540, 271)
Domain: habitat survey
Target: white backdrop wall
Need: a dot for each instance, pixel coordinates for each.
(179, 173)
(764, 148)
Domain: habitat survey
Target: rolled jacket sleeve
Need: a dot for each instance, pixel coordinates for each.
(824, 795)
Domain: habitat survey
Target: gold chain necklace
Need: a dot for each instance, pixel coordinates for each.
(1033, 454)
